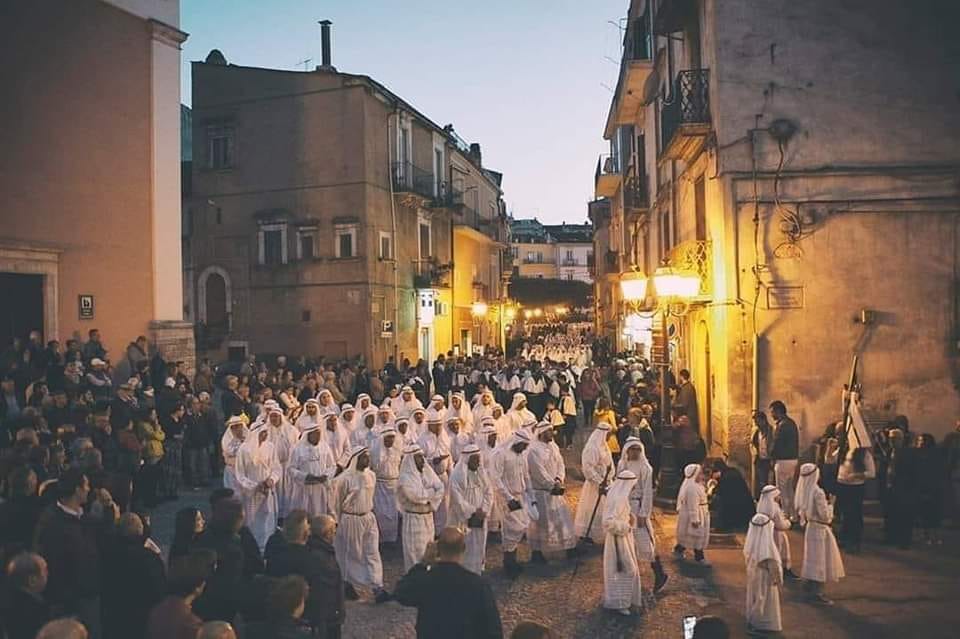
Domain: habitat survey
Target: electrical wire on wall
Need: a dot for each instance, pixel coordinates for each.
(791, 225)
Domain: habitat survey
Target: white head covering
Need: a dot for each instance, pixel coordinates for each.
(363, 418)
(617, 503)
(517, 398)
(541, 428)
(806, 489)
(351, 461)
(258, 451)
(690, 488)
(360, 399)
(767, 504)
(228, 438)
(641, 466)
(410, 477)
(760, 544)
(462, 476)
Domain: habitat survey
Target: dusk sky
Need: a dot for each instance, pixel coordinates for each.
(524, 78)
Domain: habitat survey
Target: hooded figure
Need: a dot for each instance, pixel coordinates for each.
(261, 419)
(258, 474)
(512, 484)
(365, 433)
(327, 403)
(406, 403)
(233, 438)
(385, 419)
(310, 472)
(769, 506)
(621, 571)
(385, 464)
(453, 428)
(634, 459)
(357, 540)
(764, 576)
(693, 514)
(483, 408)
(502, 423)
(597, 464)
(460, 408)
(418, 424)
(310, 417)
(553, 530)
(363, 403)
(335, 436)
(519, 415)
(821, 556)
(436, 450)
(488, 441)
(284, 436)
(471, 500)
(419, 494)
(349, 418)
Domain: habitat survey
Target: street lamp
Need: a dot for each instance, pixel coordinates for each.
(675, 284)
(479, 312)
(633, 286)
(537, 312)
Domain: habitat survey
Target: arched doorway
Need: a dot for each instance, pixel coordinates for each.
(216, 302)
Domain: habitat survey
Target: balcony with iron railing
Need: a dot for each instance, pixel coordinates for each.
(685, 119)
(429, 273)
(408, 178)
(635, 194)
(694, 256)
(607, 178)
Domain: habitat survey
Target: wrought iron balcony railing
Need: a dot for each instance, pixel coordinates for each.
(408, 178)
(689, 105)
(635, 193)
(695, 256)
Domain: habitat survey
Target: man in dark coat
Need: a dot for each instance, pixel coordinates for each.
(687, 399)
(23, 608)
(134, 581)
(450, 600)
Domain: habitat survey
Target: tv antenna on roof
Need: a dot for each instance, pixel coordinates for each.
(306, 63)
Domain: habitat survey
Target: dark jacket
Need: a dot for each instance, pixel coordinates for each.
(687, 400)
(71, 546)
(786, 440)
(133, 583)
(172, 619)
(317, 564)
(23, 614)
(18, 522)
(451, 601)
(237, 562)
(283, 629)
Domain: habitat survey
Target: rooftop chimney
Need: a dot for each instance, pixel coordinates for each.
(325, 44)
(475, 152)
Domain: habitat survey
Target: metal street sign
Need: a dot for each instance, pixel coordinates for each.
(85, 305)
(386, 328)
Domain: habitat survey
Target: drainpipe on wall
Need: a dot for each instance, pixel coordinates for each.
(396, 243)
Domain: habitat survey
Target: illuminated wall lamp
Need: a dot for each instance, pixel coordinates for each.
(633, 286)
(670, 283)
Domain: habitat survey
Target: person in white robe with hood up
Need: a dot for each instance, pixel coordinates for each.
(349, 417)
(385, 420)
(693, 515)
(436, 450)
(385, 464)
(596, 462)
(357, 541)
(406, 403)
(284, 436)
(310, 417)
(418, 424)
(471, 500)
(769, 505)
(363, 403)
(519, 415)
(553, 530)
(502, 423)
(488, 441)
(335, 436)
(459, 408)
(764, 577)
(310, 472)
(327, 403)
(258, 474)
(634, 459)
(437, 408)
(483, 408)
(822, 562)
(230, 443)
(512, 484)
(621, 572)
(404, 433)
(419, 494)
(365, 433)
(453, 428)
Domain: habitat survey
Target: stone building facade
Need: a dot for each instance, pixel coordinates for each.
(802, 159)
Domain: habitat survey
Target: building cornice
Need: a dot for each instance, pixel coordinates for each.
(168, 35)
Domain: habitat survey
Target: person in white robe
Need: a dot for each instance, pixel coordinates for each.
(769, 505)
(553, 530)
(404, 433)
(310, 417)
(501, 422)
(764, 577)
(349, 418)
(357, 541)
(418, 423)
(385, 463)
(822, 562)
(230, 443)
(259, 472)
(436, 450)
(596, 462)
(284, 436)
(519, 415)
(483, 408)
(488, 441)
(419, 494)
(437, 408)
(634, 459)
(385, 419)
(453, 428)
(459, 408)
(512, 484)
(261, 418)
(326, 401)
(693, 515)
(335, 436)
(365, 433)
(621, 571)
(310, 472)
(471, 500)
(363, 403)
(406, 404)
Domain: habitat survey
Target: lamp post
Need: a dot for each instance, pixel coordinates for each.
(479, 312)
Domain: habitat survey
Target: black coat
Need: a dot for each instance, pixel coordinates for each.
(133, 583)
(284, 629)
(18, 522)
(317, 564)
(238, 561)
(71, 546)
(23, 614)
(451, 601)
